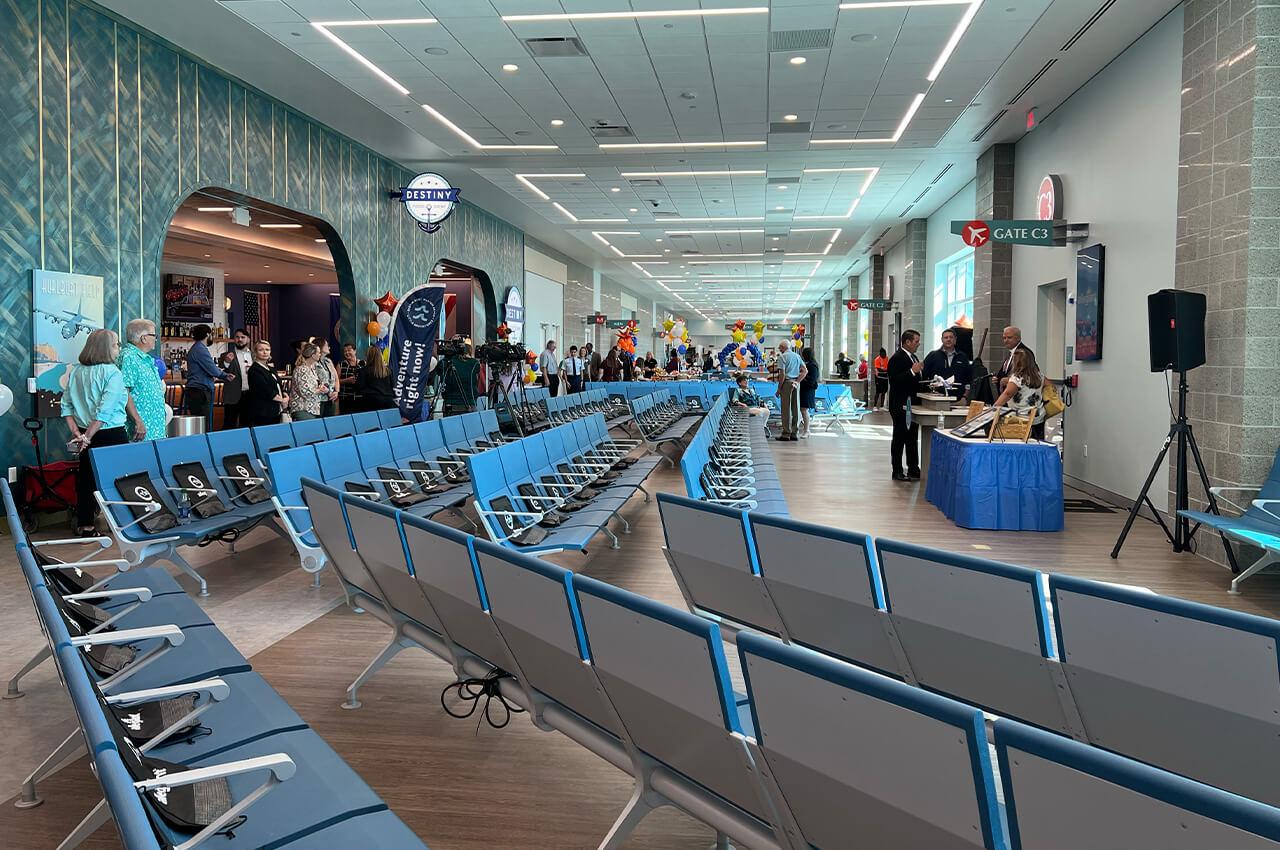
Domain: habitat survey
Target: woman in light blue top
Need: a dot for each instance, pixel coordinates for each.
(93, 405)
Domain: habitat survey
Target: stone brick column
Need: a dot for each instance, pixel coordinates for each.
(993, 262)
(917, 307)
(1228, 239)
(878, 290)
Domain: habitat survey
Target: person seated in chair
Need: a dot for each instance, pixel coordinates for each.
(742, 396)
(1024, 390)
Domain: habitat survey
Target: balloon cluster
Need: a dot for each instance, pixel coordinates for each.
(627, 340)
(744, 351)
(380, 328)
(677, 334)
(797, 332)
(530, 366)
(503, 331)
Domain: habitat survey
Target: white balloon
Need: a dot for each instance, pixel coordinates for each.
(6, 399)
(168, 414)
(383, 319)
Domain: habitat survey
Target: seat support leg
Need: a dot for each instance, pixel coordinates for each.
(390, 651)
(180, 562)
(96, 818)
(1266, 560)
(468, 520)
(71, 746)
(647, 498)
(641, 803)
(614, 543)
(626, 526)
(36, 661)
(722, 842)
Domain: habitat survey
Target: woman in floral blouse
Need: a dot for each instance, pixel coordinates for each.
(308, 389)
(142, 380)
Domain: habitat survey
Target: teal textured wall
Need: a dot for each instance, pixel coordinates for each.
(105, 128)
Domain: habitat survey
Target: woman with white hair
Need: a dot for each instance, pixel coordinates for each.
(142, 380)
(93, 406)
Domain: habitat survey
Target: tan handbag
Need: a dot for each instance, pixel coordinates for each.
(1053, 403)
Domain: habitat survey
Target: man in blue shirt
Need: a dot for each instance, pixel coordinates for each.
(201, 373)
(791, 371)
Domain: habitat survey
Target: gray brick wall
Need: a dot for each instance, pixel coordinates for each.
(917, 309)
(993, 262)
(878, 290)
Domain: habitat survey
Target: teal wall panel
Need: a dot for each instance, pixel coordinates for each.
(107, 128)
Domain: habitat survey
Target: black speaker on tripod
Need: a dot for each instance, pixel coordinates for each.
(1175, 318)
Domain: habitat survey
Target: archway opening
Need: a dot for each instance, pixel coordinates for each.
(470, 304)
(229, 262)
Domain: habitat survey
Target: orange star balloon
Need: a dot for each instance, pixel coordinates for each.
(387, 303)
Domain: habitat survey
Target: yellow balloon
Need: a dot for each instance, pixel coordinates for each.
(667, 324)
(758, 327)
(739, 336)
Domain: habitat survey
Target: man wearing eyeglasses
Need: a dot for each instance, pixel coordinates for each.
(142, 379)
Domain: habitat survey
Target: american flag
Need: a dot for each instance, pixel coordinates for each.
(255, 315)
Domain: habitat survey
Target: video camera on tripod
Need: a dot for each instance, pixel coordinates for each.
(501, 352)
(455, 346)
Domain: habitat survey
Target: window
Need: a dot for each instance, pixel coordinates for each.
(953, 292)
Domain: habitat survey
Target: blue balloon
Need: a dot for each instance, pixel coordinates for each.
(160, 367)
(681, 349)
(534, 366)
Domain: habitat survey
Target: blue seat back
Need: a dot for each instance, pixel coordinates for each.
(365, 421)
(1062, 793)
(454, 432)
(908, 768)
(374, 449)
(826, 586)
(340, 462)
(334, 536)
(974, 629)
(287, 468)
(194, 448)
(1208, 674)
(535, 453)
(126, 806)
(515, 466)
(84, 699)
(404, 445)
(113, 462)
(376, 533)
(444, 568)
(489, 422)
(430, 438)
(269, 437)
(473, 427)
(682, 711)
(389, 417)
(232, 442)
(308, 431)
(339, 426)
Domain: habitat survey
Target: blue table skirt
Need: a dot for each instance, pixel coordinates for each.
(1006, 486)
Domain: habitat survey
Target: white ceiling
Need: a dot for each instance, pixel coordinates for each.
(690, 83)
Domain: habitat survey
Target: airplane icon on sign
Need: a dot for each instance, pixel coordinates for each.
(976, 234)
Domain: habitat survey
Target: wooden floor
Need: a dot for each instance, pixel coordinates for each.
(460, 787)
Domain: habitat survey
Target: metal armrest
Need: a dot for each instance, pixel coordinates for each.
(215, 690)
(103, 542)
(247, 479)
(1218, 491)
(170, 635)
(1261, 504)
(751, 504)
(279, 764)
(139, 595)
(151, 508)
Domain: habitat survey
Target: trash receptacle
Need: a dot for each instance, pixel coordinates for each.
(182, 426)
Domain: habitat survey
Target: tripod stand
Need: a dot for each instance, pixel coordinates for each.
(499, 389)
(1181, 435)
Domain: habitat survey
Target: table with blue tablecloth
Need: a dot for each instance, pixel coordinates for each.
(1006, 486)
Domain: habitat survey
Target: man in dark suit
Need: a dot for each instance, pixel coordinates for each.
(904, 385)
(1012, 342)
(948, 362)
(235, 409)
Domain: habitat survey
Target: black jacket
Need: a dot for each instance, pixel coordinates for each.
(376, 392)
(1002, 372)
(935, 363)
(903, 384)
(264, 386)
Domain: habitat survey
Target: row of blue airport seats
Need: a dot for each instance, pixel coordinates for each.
(144, 488)
(190, 746)
(661, 418)
(566, 408)
(728, 462)
(1190, 688)
(817, 752)
(697, 396)
(527, 407)
(559, 488)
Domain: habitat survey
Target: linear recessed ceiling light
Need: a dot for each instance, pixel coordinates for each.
(648, 13)
(380, 22)
(797, 60)
(524, 178)
(282, 226)
(575, 219)
(717, 218)
(471, 140)
(214, 209)
(618, 145)
(689, 173)
(557, 122)
(956, 35)
(897, 134)
(511, 66)
(866, 184)
(790, 117)
(322, 28)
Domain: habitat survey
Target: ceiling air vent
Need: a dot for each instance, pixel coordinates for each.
(903, 214)
(1093, 19)
(1031, 82)
(789, 127)
(921, 195)
(612, 131)
(987, 128)
(786, 40)
(783, 181)
(551, 48)
(646, 183)
(935, 180)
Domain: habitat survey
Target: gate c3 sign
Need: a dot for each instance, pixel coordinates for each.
(1013, 231)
